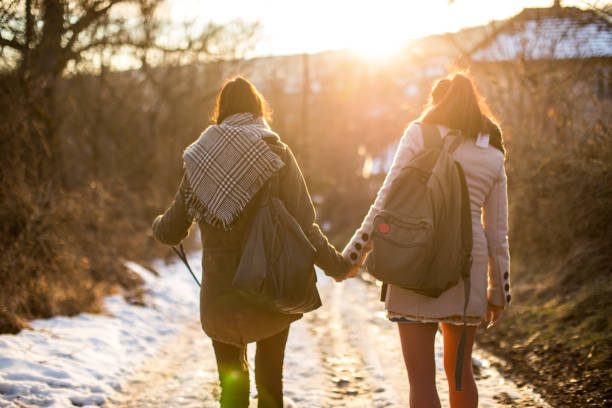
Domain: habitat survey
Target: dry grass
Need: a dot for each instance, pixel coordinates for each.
(557, 335)
(62, 252)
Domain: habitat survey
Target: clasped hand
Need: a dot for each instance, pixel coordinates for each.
(353, 270)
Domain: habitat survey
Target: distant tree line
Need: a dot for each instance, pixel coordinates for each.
(88, 153)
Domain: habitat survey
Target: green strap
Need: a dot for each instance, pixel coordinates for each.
(383, 292)
(466, 239)
(432, 139)
(462, 341)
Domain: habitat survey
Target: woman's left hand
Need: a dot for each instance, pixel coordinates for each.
(494, 315)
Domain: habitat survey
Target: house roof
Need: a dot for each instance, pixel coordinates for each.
(548, 33)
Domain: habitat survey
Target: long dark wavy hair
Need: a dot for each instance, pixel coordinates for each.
(456, 103)
(239, 95)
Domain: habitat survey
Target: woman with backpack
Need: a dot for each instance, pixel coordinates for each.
(226, 170)
(455, 106)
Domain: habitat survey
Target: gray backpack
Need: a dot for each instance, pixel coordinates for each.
(422, 238)
(276, 268)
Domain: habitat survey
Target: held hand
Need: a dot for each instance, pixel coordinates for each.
(356, 268)
(494, 315)
(351, 273)
(354, 271)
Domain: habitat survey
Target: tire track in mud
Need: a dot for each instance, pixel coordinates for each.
(350, 381)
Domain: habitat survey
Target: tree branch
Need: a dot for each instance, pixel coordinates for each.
(14, 44)
(106, 42)
(87, 19)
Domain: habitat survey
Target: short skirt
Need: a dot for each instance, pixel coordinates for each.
(457, 320)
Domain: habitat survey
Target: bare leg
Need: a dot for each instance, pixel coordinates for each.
(468, 396)
(418, 348)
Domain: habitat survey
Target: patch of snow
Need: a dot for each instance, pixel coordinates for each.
(80, 360)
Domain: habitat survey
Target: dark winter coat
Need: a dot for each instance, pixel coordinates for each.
(225, 315)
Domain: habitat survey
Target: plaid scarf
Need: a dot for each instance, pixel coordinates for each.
(226, 166)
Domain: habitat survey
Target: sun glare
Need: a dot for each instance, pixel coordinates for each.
(373, 29)
(375, 35)
(375, 48)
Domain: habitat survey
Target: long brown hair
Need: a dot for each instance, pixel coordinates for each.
(239, 95)
(461, 106)
(441, 89)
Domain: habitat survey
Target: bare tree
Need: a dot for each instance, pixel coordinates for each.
(41, 39)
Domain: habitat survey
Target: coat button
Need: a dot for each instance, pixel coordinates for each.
(506, 275)
(353, 256)
(507, 287)
(508, 298)
(365, 236)
(358, 246)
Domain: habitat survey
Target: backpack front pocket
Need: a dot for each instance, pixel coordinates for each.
(403, 232)
(402, 250)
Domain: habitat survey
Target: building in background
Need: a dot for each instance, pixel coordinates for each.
(553, 63)
(549, 68)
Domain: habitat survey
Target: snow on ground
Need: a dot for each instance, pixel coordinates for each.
(67, 361)
(345, 354)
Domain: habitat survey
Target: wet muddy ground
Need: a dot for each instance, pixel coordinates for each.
(346, 354)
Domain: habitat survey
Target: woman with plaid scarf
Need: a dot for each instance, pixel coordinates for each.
(224, 170)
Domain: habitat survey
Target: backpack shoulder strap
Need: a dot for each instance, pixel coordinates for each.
(431, 136)
(456, 140)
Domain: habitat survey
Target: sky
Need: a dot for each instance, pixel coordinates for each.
(370, 27)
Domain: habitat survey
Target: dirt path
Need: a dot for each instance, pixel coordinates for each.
(345, 354)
